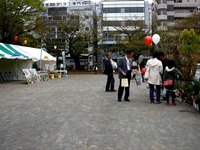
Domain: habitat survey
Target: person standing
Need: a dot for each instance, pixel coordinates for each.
(173, 74)
(135, 66)
(124, 68)
(164, 61)
(35, 66)
(154, 69)
(109, 72)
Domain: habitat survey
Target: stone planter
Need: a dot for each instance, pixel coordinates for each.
(52, 76)
(59, 75)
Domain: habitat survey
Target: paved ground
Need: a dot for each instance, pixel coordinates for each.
(76, 114)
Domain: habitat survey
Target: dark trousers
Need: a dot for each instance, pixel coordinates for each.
(172, 94)
(110, 82)
(151, 92)
(127, 89)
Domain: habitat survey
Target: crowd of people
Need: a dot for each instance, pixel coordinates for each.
(160, 73)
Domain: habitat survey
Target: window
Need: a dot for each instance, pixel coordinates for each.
(86, 17)
(112, 10)
(52, 4)
(134, 9)
(122, 10)
(86, 28)
(170, 7)
(59, 4)
(57, 17)
(122, 23)
(50, 18)
(125, 9)
(177, 1)
(59, 29)
(53, 29)
(74, 17)
(64, 18)
(170, 18)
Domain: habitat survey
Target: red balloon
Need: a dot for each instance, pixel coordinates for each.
(15, 38)
(148, 40)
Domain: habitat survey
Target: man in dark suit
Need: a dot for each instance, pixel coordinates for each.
(124, 68)
(109, 72)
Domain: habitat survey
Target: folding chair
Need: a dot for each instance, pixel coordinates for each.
(6, 76)
(11, 75)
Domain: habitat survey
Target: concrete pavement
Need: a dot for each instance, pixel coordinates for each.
(76, 114)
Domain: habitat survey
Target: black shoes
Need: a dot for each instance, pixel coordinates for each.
(110, 90)
(127, 100)
(113, 91)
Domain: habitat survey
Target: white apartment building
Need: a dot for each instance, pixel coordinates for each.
(85, 9)
(167, 12)
(118, 13)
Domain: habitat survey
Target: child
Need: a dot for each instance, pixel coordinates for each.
(171, 75)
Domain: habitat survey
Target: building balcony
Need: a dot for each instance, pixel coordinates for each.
(162, 6)
(181, 14)
(186, 5)
(170, 13)
(170, 2)
(161, 17)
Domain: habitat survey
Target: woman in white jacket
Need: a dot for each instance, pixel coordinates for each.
(154, 69)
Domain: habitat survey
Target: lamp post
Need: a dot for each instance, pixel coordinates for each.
(55, 48)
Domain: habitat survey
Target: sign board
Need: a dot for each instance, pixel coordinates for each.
(197, 74)
(31, 76)
(46, 67)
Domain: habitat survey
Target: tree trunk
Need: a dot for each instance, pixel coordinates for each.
(77, 61)
(75, 57)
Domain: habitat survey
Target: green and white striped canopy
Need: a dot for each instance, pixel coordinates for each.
(9, 51)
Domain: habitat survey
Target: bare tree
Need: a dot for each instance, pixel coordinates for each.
(130, 33)
(75, 31)
(191, 22)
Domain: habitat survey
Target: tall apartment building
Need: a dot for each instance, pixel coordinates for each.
(59, 10)
(168, 12)
(118, 13)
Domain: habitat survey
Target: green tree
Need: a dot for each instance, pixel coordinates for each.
(167, 41)
(189, 52)
(15, 16)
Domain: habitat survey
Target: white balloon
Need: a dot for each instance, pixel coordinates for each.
(156, 38)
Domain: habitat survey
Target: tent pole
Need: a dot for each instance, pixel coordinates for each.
(41, 59)
(17, 70)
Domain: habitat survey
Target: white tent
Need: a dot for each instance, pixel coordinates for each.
(14, 58)
(39, 56)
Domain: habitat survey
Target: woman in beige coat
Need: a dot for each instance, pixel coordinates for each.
(154, 69)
